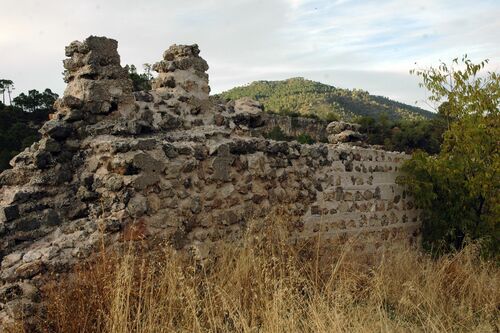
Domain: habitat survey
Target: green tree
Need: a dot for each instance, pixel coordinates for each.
(304, 138)
(404, 135)
(36, 100)
(6, 85)
(2, 91)
(458, 189)
(426, 135)
(140, 82)
(19, 123)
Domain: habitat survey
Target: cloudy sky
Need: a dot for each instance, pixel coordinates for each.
(366, 44)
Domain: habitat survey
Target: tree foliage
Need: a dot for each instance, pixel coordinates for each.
(459, 188)
(304, 138)
(19, 123)
(6, 86)
(404, 135)
(140, 81)
(306, 97)
(36, 101)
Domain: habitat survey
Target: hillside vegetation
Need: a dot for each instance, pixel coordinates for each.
(310, 98)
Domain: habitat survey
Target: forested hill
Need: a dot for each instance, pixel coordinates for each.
(310, 98)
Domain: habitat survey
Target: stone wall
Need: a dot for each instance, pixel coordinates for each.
(170, 164)
(294, 126)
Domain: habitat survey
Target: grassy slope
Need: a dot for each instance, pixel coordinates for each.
(306, 97)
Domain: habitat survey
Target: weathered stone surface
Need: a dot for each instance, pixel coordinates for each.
(9, 213)
(336, 127)
(11, 259)
(222, 163)
(56, 130)
(137, 206)
(346, 136)
(340, 131)
(114, 183)
(247, 112)
(29, 269)
(182, 73)
(50, 217)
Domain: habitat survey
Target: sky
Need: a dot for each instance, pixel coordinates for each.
(364, 44)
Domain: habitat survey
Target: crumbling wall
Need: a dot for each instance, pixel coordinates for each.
(294, 126)
(169, 164)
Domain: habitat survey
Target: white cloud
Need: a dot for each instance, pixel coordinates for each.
(377, 42)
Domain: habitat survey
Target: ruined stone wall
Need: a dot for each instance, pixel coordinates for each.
(169, 164)
(202, 192)
(294, 126)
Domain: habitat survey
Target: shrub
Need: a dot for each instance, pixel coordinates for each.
(458, 188)
(305, 139)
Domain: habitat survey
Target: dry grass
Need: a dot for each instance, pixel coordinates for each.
(265, 284)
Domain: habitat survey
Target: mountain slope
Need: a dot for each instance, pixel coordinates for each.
(310, 98)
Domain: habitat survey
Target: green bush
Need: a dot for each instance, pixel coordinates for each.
(404, 135)
(305, 139)
(331, 116)
(458, 189)
(19, 123)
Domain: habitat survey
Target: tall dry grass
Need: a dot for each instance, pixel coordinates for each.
(266, 284)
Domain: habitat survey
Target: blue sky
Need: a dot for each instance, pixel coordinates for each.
(369, 45)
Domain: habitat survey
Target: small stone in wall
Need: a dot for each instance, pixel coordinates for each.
(222, 163)
(137, 206)
(9, 213)
(367, 195)
(114, 183)
(196, 205)
(56, 130)
(50, 218)
(315, 210)
(11, 259)
(30, 269)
